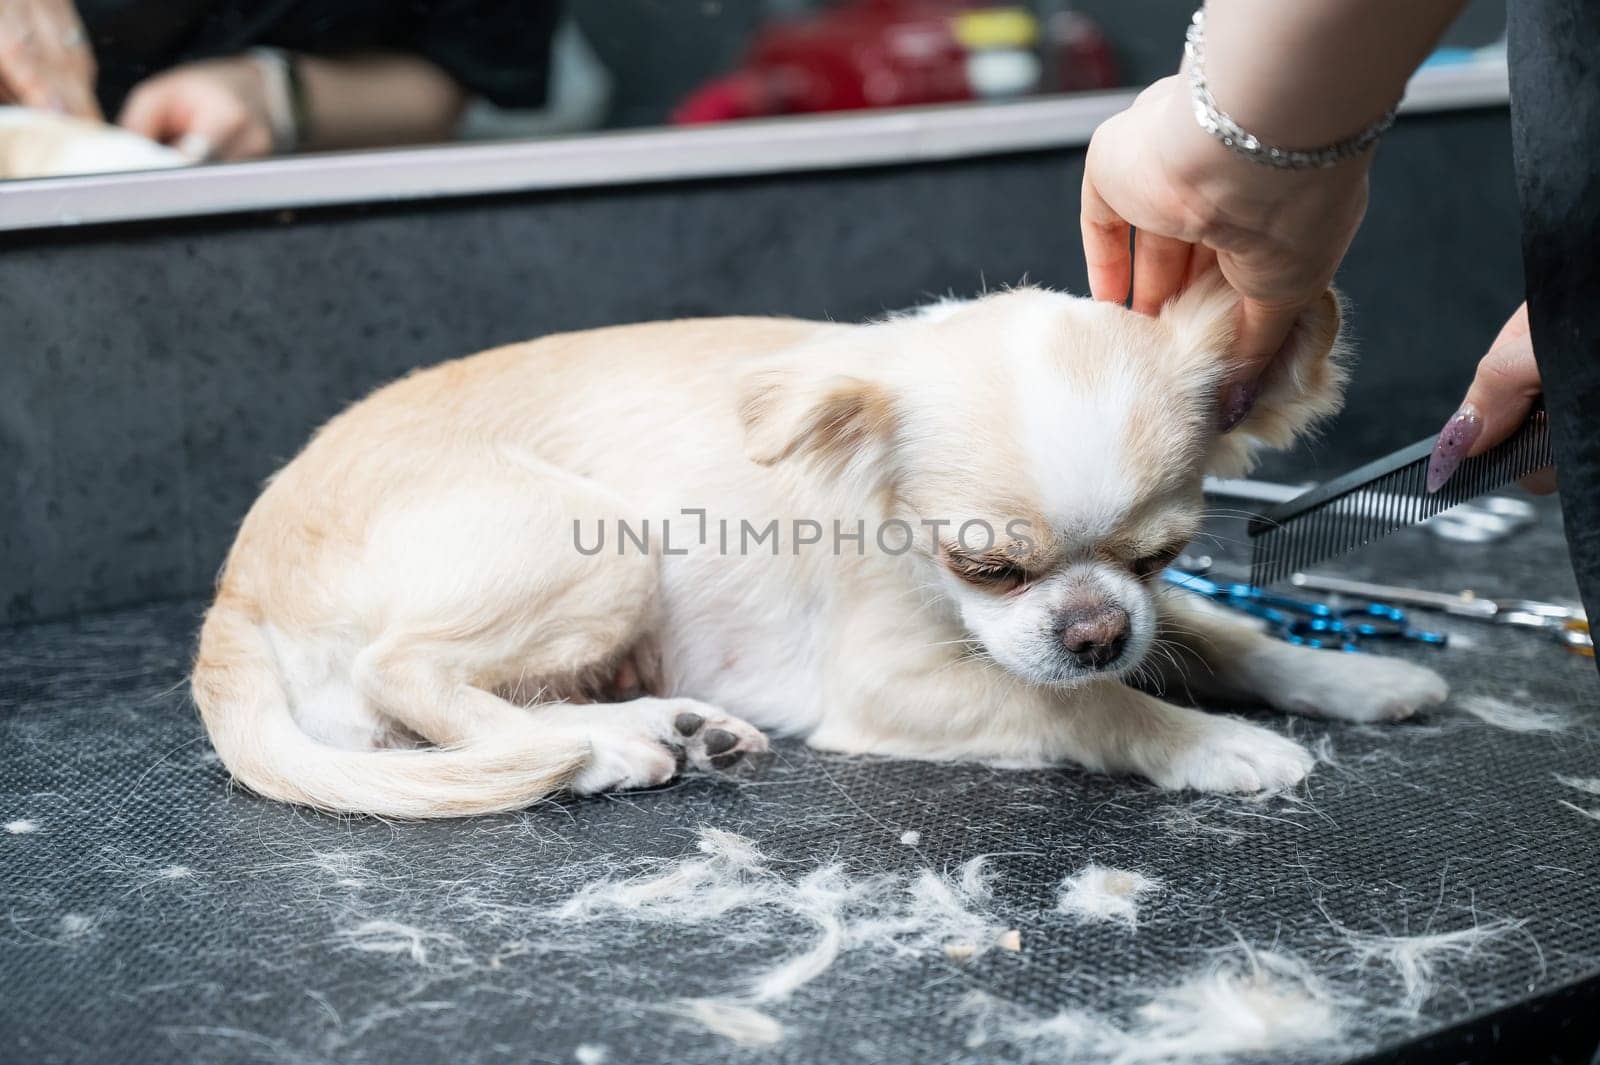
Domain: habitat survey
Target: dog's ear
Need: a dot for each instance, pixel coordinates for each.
(1302, 386)
(832, 418)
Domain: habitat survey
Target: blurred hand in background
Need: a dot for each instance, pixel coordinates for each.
(224, 109)
(212, 109)
(45, 58)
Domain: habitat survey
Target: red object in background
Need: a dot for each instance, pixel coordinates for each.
(1084, 61)
(896, 53)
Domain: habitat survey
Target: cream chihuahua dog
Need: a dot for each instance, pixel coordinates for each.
(577, 562)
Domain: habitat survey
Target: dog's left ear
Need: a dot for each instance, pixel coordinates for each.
(832, 418)
(1303, 386)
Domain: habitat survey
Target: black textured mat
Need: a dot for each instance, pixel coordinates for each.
(152, 913)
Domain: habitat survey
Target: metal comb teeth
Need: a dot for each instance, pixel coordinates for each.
(1371, 502)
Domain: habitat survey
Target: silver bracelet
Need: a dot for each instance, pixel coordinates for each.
(1216, 121)
(278, 80)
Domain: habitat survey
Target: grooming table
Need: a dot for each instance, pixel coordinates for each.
(155, 913)
(157, 370)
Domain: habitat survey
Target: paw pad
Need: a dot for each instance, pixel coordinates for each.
(709, 738)
(720, 741)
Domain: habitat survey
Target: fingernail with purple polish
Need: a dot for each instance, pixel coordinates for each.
(1236, 404)
(1458, 434)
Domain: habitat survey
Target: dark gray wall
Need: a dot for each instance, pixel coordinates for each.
(153, 375)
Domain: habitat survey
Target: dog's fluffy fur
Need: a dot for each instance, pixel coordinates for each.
(414, 623)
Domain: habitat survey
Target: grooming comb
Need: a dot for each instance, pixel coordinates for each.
(1371, 502)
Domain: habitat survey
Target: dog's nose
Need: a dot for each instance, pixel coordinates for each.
(1095, 638)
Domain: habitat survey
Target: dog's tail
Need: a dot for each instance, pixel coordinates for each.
(246, 710)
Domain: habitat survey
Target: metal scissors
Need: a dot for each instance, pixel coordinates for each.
(1484, 521)
(1307, 622)
(1568, 625)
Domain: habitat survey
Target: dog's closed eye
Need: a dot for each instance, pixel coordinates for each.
(993, 570)
(1156, 561)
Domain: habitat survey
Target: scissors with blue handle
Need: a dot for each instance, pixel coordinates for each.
(1307, 622)
(1568, 624)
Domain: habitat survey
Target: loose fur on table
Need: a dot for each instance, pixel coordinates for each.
(898, 913)
(1592, 812)
(731, 1019)
(1416, 959)
(1244, 1000)
(1100, 894)
(1247, 1002)
(1587, 785)
(1512, 716)
(392, 937)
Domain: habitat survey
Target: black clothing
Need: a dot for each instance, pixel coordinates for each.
(1555, 129)
(497, 49)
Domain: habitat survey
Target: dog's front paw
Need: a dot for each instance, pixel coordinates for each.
(1230, 756)
(711, 739)
(1347, 687)
(624, 762)
(636, 744)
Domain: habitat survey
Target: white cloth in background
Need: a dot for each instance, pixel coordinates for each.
(37, 143)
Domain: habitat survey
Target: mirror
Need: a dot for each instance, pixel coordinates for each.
(96, 86)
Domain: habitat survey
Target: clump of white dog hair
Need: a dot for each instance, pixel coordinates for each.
(731, 1019)
(1416, 959)
(76, 925)
(1513, 717)
(893, 912)
(148, 879)
(1251, 1002)
(423, 947)
(1194, 820)
(1587, 785)
(1098, 893)
(684, 890)
(589, 1054)
(21, 826)
(1591, 812)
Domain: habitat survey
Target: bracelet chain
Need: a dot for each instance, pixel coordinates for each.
(1220, 125)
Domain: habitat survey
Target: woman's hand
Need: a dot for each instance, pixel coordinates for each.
(1503, 392)
(214, 109)
(222, 108)
(1277, 235)
(45, 59)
